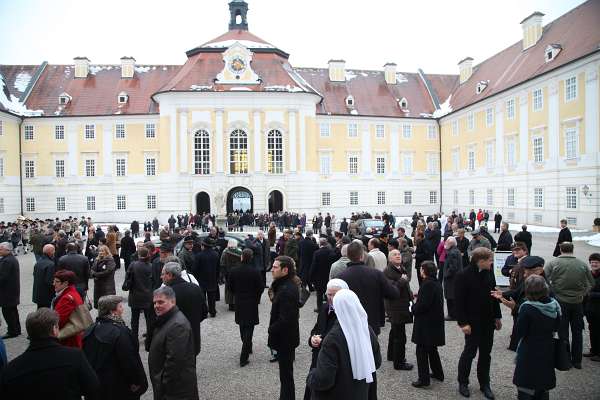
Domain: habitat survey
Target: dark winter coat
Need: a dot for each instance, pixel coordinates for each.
(48, 370)
(284, 330)
(10, 282)
(186, 258)
(291, 249)
(320, 267)
(524, 237)
(206, 265)
(397, 309)
(463, 247)
(112, 351)
(452, 266)
(306, 249)
(371, 287)
(103, 273)
(230, 259)
(246, 284)
(43, 276)
(505, 240)
(332, 378)
(127, 247)
(157, 266)
(428, 329)
(563, 236)
(171, 360)
(191, 301)
(473, 304)
(257, 254)
(591, 303)
(325, 321)
(79, 265)
(535, 353)
(139, 283)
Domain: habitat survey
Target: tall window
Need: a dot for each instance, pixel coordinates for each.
(120, 131)
(456, 160)
(571, 142)
(151, 202)
(380, 165)
(325, 164)
(538, 100)
(455, 128)
(433, 163)
(510, 109)
(1, 167)
(324, 129)
(90, 131)
(120, 167)
(511, 197)
(30, 204)
(406, 131)
(1, 128)
(352, 130)
(60, 204)
(433, 197)
(326, 198)
(379, 130)
(455, 197)
(275, 152)
(150, 130)
(150, 166)
(489, 197)
(511, 153)
(471, 196)
(489, 117)
(538, 149)
(1, 205)
(202, 152)
(407, 197)
(90, 203)
(408, 163)
(28, 132)
(353, 164)
(121, 202)
(90, 167)
(489, 155)
(59, 132)
(471, 160)
(381, 198)
(59, 168)
(471, 121)
(353, 198)
(538, 197)
(571, 88)
(29, 169)
(572, 197)
(431, 132)
(238, 152)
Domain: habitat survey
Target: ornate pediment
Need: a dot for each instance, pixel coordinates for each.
(237, 69)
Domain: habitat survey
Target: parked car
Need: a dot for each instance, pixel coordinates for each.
(376, 226)
(238, 237)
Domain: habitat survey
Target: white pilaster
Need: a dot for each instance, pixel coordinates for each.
(523, 130)
(183, 142)
(395, 150)
(591, 111)
(302, 142)
(107, 138)
(366, 149)
(499, 121)
(292, 137)
(553, 121)
(219, 140)
(257, 141)
(173, 142)
(72, 139)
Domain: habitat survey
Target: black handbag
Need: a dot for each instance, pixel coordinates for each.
(304, 295)
(562, 358)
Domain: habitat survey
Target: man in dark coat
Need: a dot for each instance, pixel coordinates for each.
(524, 237)
(127, 249)
(10, 290)
(264, 243)
(592, 309)
(505, 240)
(452, 266)
(477, 314)
(135, 228)
(319, 269)
(563, 236)
(79, 264)
(284, 331)
(43, 276)
(158, 263)
(206, 265)
(497, 221)
(306, 249)
(48, 370)
(191, 299)
(171, 360)
(486, 234)
(246, 284)
(257, 252)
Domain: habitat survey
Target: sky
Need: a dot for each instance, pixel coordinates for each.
(427, 34)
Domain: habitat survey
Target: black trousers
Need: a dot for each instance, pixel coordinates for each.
(481, 339)
(514, 342)
(211, 297)
(285, 358)
(246, 333)
(397, 344)
(538, 395)
(441, 271)
(572, 316)
(135, 320)
(594, 326)
(11, 316)
(428, 356)
(450, 305)
(320, 296)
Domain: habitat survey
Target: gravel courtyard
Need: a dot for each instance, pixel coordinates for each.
(220, 377)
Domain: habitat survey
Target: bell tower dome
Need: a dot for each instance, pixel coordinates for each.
(239, 11)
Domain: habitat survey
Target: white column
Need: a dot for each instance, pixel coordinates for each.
(257, 141)
(302, 141)
(499, 120)
(591, 111)
(173, 142)
(553, 121)
(183, 142)
(219, 140)
(395, 150)
(107, 139)
(292, 137)
(366, 149)
(523, 130)
(72, 138)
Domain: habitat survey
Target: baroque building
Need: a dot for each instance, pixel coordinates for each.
(238, 125)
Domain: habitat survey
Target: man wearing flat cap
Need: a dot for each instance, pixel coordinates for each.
(186, 256)
(478, 241)
(165, 251)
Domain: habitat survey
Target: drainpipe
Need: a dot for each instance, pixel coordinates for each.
(440, 162)
(21, 165)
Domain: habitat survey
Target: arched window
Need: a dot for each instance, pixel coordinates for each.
(275, 152)
(201, 153)
(238, 152)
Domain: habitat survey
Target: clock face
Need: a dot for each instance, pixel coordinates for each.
(237, 65)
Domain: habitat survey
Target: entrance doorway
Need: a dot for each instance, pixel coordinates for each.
(275, 201)
(202, 203)
(240, 199)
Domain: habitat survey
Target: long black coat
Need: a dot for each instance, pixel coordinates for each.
(284, 330)
(112, 351)
(473, 304)
(48, 370)
(371, 287)
(397, 309)
(505, 240)
(563, 236)
(524, 237)
(191, 301)
(43, 276)
(246, 284)
(157, 266)
(10, 282)
(452, 266)
(306, 249)
(332, 378)
(103, 273)
(325, 321)
(320, 267)
(535, 354)
(127, 247)
(206, 265)
(139, 280)
(591, 304)
(79, 265)
(428, 329)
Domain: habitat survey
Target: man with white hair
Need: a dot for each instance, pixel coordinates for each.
(10, 290)
(340, 265)
(43, 276)
(378, 256)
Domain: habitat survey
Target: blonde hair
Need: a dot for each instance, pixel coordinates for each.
(104, 249)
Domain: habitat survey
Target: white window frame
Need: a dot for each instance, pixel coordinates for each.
(148, 161)
(1, 127)
(151, 202)
(28, 132)
(2, 210)
(456, 160)
(489, 154)
(238, 137)
(353, 161)
(408, 197)
(353, 198)
(455, 129)
(325, 199)
(471, 160)
(61, 204)
(381, 198)
(538, 149)
(489, 117)
(471, 197)
(571, 197)
(471, 121)
(150, 130)
(121, 202)
(121, 170)
(408, 161)
(60, 170)
(511, 153)
(30, 170)
(325, 164)
(510, 109)
(324, 129)
(89, 166)
(433, 197)
(352, 130)
(380, 131)
(455, 196)
(571, 88)
(407, 131)
(59, 132)
(201, 152)
(432, 132)
(30, 204)
(510, 197)
(90, 203)
(380, 162)
(571, 142)
(89, 131)
(275, 147)
(538, 197)
(433, 163)
(120, 131)
(1, 165)
(489, 197)
(538, 99)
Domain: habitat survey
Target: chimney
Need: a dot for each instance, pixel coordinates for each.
(532, 29)
(82, 67)
(127, 67)
(337, 70)
(465, 68)
(390, 73)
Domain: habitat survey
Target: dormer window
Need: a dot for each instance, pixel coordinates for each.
(64, 99)
(403, 103)
(350, 101)
(552, 51)
(122, 98)
(481, 85)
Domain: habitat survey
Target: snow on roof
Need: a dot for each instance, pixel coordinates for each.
(247, 43)
(240, 89)
(445, 108)
(350, 75)
(300, 81)
(22, 81)
(140, 69)
(202, 88)
(400, 78)
(280, 88)
(12, 103)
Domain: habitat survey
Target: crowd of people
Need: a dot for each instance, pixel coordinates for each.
(360, 281)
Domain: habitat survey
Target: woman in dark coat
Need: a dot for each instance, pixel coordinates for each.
(539, 318)
(452, 266)
(103, 272)
(112, 351)
(398, 311)
(230, 259)
(421, 254)
(246, 285)
(428, 330)
(139, 283)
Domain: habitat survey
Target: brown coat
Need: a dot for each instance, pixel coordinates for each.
(111, 242)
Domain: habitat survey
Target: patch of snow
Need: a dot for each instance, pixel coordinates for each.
(164, 68)
(445, 108)
(400, 78)
(22, 81)
(364, 74)
(350, 75)
(202, 88)
(246, 43)
(12, 103)
(539, 228)
(593, 240)
(280, 88)
(240, 89)
(94, 69)
(153, 68)
(354, 112)
(425, 115)
(141, 69)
